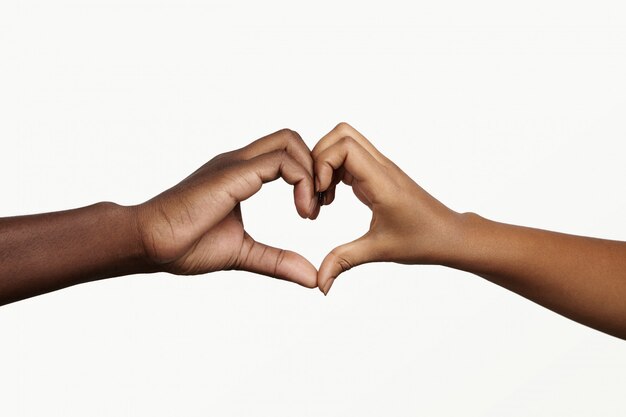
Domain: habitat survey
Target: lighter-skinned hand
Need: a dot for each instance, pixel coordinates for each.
(408, 225)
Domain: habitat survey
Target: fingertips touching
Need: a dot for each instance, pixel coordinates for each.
(342, 259)
(303, 191)
(270, 166)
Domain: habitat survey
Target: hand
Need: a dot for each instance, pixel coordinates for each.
(408, 225)
(196, 226)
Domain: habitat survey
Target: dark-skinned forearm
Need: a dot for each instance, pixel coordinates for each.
(45, 252)
(579, 277)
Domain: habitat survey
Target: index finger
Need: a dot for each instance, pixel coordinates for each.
(355, 160)
(342, 130)
(285, 139)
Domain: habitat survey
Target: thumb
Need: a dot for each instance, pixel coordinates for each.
(343, 258)
(277, 263)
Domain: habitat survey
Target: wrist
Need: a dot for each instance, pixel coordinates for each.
(440, 241)
(466, 245)
(131, 249)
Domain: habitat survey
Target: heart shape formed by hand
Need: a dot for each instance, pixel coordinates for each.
(197, 227)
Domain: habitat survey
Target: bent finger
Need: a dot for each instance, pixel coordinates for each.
(269, 167)
(342, 130)
(353, 158)
(284, 139)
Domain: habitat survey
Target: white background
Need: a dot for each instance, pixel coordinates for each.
(514, 110)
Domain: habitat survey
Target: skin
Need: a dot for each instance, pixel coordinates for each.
(196, 227)
(193, 228)
(579, 277)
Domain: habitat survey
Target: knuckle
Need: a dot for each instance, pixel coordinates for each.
(344, 127)
(343, 262)
(347, 141)
(289, 135)
(344, 265)
(224, 155)
(284, 131)
(221, 161)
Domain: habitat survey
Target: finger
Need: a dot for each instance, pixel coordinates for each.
(277, 263)
(342, 130)
(289, 141)
(318, 206)
(268, 167)
(347, 153)
(284, 139)
(347, 179)
(329, 194)
(344, 258)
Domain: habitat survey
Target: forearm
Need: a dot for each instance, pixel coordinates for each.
(579, 277)
(45, 252)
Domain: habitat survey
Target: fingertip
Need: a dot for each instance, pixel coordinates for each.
(329, 195)
(328, 285)
(317, 209)
(325, 287)
(312, 206)
(326, 274)
(305, 277)
(342, 259)
(304, 200)
(295, 268)
(323, 176)
(301, 212)
(309, 285)
(321, 283)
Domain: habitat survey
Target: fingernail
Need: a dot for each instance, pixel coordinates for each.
(317, 185)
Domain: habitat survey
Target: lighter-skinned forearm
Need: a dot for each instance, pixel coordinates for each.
(579, 277)
(45, 252)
